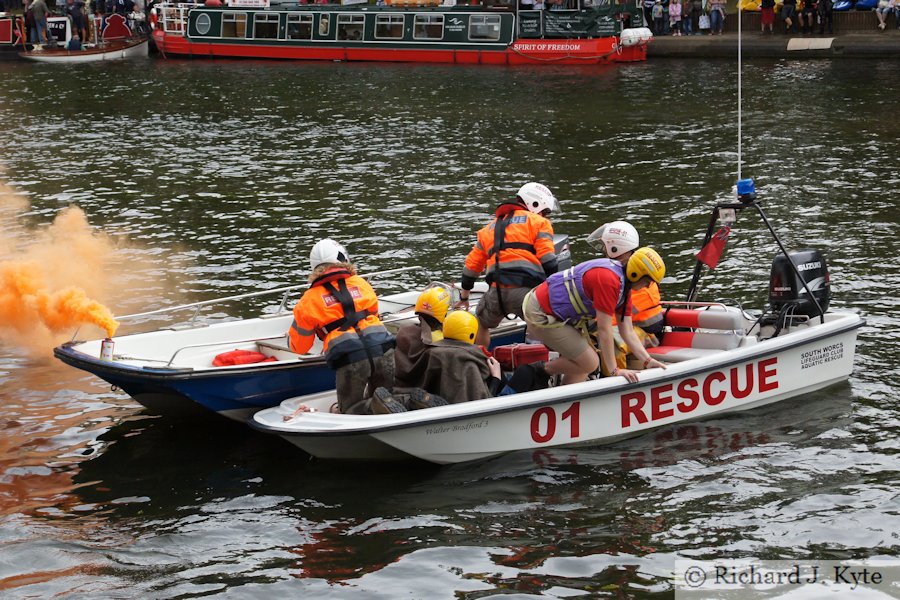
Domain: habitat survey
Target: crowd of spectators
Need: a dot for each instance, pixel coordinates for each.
(696, 17)
(685, 17)
(79, 13)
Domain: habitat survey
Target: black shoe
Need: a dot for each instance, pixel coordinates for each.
(542, 377)
(383, 403)
(419, 399)
(527, 378)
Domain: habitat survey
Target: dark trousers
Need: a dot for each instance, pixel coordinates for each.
(826, 17)
(356, 382)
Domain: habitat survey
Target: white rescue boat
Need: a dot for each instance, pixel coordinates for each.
(803, 358)
(720, 358)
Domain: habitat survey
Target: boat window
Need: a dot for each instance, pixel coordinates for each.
(324, 24)
(428, 27)
(234, 25)
(350, 27)
(204, 23)
(265, 26)
(484, 27)
(299, 27)
(389, 27)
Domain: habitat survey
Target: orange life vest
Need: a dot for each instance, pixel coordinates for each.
(518, 255)
(341, 310)
(646, 312)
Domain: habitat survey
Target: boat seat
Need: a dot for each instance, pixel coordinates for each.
(717, 318)
(727, 333)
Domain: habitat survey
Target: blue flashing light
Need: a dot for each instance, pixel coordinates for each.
(745, 188)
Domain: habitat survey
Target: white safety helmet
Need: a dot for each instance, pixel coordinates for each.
(538, 198)
(327, 251)
(614, 239)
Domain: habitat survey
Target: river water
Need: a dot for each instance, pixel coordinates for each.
(213, 178)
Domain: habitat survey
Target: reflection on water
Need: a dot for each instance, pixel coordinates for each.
(214, 178)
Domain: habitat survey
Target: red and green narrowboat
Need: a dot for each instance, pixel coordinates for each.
(590, 32)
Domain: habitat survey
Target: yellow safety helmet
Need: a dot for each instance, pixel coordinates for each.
(435, 302)
(461, 325)
(645, 262)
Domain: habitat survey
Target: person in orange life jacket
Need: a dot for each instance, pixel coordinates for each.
(618, 240)
(341, 309)
(596, 289)
(516, 249)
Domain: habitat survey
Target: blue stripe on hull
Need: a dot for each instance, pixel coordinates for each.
(164, 390)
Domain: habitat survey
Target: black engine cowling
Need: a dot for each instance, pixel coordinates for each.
(563, 253)
(785, 288)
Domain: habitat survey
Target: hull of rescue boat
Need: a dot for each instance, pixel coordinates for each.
(145, 368)
(595, 412)
(234, 392)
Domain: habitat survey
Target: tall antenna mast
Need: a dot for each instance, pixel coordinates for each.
(739, 93)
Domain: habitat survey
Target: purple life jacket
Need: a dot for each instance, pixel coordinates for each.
(566, 290)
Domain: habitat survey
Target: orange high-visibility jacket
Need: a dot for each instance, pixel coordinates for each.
(646, 312)
(342, 310)
(523, 258)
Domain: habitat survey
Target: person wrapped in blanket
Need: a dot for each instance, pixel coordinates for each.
(455, 370)
(619, 240)
(414, 341)
(560, 309)
(341, 309)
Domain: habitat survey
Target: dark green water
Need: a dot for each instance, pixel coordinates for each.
(215, 178)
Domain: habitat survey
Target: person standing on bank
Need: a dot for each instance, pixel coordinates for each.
(40, 34)
(516, 249)
(341, 309)
(767, 16)
(559, 308)
(826, 16)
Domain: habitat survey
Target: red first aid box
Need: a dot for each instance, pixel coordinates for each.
(515, 355)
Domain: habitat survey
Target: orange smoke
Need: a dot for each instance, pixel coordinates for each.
(25, 300)
(47, 279)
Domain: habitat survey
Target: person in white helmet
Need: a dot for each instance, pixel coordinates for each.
(619, 240)
(516, 252)
(341, 309)
(560, 310)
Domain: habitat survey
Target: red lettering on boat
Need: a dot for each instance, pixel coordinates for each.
(682, 397)
(765, 373)
(633, 405)
(536, 428)
(660, 396)
(707, 388)
(736, 390)
(687, 392)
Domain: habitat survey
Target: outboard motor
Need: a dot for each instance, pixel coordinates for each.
(785, 288)
(563, 253)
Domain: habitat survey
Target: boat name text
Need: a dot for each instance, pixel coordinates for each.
(685, 396)
(437, 429)
(820, 356)
(561, 47)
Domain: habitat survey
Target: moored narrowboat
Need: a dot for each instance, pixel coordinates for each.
(12, 30)
(586, 33)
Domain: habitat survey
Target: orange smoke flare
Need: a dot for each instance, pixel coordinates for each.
(25, 300)
(47, 279)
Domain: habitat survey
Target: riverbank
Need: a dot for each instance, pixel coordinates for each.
(881, 44)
